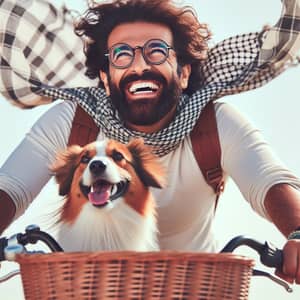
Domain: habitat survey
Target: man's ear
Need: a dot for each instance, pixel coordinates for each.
(104, 79)
(184, 76)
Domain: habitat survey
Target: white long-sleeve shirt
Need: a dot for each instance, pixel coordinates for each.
(186, 205)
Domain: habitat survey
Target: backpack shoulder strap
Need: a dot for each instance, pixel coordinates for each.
(84, 130)
(207, 149)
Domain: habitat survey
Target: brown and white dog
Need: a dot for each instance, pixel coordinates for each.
(108, 204)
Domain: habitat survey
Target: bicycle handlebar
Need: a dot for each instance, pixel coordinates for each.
(32, 235)
(270, 256)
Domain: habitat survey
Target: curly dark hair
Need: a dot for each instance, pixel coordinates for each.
(190, 36)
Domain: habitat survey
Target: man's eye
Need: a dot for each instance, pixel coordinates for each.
(158, 50)
(117, 156)
(85, 159)
(122, 53)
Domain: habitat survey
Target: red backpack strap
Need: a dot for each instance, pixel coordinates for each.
(207, 149)
(84, 129)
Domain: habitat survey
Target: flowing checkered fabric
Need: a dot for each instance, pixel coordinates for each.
(37, 45)
(237, 64)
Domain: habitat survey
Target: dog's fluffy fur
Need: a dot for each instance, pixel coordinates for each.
(108, 204)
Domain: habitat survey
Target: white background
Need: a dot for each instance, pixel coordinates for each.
(274, 109)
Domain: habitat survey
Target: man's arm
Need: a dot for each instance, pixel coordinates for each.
(282, 203)
(271, 189)
(18, 188)
(7, 211)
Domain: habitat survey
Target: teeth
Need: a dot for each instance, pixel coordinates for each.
(143, 92)
(113, 189)
(143, 85)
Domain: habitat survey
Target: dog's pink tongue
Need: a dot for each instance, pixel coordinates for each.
(100, 194)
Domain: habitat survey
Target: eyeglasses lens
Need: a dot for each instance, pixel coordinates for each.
(156, 52)
(121, 55)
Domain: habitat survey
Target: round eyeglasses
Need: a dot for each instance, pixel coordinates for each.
(154, 51)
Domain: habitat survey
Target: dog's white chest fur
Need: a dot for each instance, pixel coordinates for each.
(112, 228)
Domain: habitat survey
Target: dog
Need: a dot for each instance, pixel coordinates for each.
(108, 204)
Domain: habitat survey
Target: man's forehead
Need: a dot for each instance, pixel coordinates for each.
(137, 33)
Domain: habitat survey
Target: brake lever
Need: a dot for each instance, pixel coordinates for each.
(277, 280)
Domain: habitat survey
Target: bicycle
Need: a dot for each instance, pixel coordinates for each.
(135, 275)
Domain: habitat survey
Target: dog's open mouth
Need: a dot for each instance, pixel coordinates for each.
(102, 191)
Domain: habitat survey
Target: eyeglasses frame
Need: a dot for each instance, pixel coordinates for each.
(142, 48)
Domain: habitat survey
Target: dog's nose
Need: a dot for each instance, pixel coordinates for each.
(97, 167)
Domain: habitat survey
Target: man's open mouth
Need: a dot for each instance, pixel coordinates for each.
(101, 192)
(143, 87)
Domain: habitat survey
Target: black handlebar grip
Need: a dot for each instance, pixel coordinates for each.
(3, 244)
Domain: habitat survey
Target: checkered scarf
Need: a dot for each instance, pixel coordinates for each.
(30, 60)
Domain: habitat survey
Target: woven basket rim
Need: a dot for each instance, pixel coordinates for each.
(103, 256)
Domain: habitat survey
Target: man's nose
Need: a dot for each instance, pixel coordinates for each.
(139, 65)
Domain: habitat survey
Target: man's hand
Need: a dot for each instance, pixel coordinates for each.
(291, 262)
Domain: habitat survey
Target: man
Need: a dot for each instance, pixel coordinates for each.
(151, 59)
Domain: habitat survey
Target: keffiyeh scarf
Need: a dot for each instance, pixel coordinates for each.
(237, 64)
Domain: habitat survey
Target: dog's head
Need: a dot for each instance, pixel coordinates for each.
(104, 171)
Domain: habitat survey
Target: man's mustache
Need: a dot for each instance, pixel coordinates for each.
(145, 76)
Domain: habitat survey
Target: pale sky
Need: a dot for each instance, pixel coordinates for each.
(273, 108)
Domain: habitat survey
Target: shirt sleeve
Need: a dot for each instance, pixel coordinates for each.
(248, 159)
(248, 61)
(26, 171)
(38, 45)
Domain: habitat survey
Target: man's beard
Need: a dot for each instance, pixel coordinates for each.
(145, 112)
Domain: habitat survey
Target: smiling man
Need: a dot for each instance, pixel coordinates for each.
(156, 74)
(144, 80)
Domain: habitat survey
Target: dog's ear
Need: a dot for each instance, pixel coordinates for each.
(64, 167)
(146, 164)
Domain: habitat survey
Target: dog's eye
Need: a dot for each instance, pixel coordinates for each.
(85, 159)
(117, 156)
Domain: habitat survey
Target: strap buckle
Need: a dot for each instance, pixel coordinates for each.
(215, 177)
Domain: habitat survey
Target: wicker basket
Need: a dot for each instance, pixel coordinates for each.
(132, 275)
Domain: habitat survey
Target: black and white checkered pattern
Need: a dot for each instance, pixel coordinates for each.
(281, 43)
(39, 66)
(37, 45)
